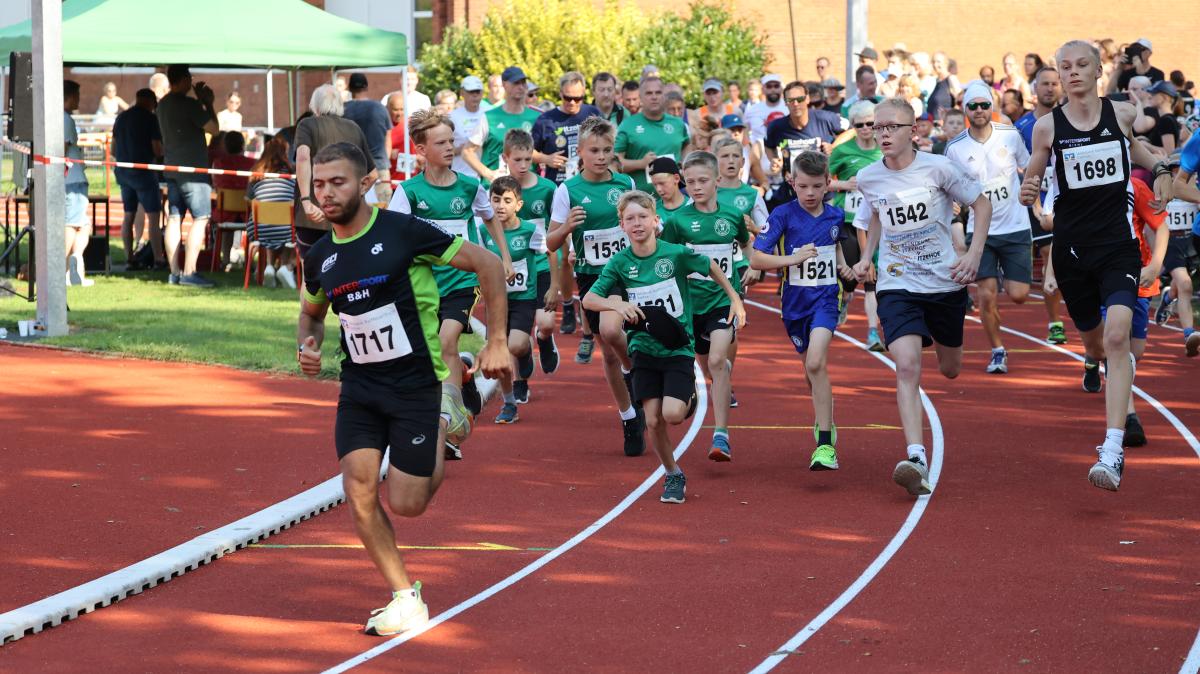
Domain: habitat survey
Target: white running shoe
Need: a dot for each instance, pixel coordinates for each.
(1106, 474)
(999, 362)
(269, 280)
(405, 612)
(285, 276)
(913, 475)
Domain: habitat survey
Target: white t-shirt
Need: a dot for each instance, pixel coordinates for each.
(995, 163)
(915, 206)
(760, 114)
(466, 124)
(229, 120)
(417, 101)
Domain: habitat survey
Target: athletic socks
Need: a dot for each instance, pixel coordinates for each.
(677, 471)
(722, 432)
(826, 438)
(628, 414)
(510, 398)
(1187, 332)
(1114, 438)
(918, 452)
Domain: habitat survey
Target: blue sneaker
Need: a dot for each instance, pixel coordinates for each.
(584, 355)
(873, 342)
(721, 451)
(674, 488)
(508, 414)
(999, 362)
(1166, 306)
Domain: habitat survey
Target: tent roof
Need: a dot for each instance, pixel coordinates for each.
(251, 33)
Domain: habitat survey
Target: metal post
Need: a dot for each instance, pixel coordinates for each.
(49, 194)
(270, 100)
(404, 108)
(856, 36)
(292, 95)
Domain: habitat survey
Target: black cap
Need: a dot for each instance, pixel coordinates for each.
(358, 82)
(664, 165)
(512, 74)
(662, 326)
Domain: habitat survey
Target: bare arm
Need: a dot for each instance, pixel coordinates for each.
(310, 334)
(966, 266)
(496, 231)
(768, 261)
(1043, 136)
(470, 154)
(1184, 188)
(1162, 239)
(737, 312)
(756, 171)
(635, 165)
(550, 301)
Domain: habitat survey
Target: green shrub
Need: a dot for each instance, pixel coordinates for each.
(446, 63)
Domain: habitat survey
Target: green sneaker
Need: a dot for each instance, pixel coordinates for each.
(825, 458)
(1057, 335)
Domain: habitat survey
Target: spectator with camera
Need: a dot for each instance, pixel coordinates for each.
(1134, 61)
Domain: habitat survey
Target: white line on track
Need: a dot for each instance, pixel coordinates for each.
(650, 481)
(1165, 326)
(1192, 664)
(906, 529)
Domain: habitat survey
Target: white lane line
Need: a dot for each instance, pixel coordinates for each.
(910, 523)
(1192, 664)
(1165, 326)
(650, 481)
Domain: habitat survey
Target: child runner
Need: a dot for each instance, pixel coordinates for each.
(712, 229)
(520, 236)
(654, 273)
(1184, 184)
(536, 196)
(1180, 264)
(448, 199)
(668, 185)
(907, 210)
(585, 212)
(810, 233)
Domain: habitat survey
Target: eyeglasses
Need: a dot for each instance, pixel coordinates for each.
(888, 129)
(981, 105)
(863, 125)
(796, 99)
(572, 99)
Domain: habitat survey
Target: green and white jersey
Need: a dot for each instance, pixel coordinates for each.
(536, 209)
(715, 236)
(664, 212)
(490, 137)
(599, 237)
(637, 136)
(661, 279)
(453, 208)
(845, 162)
(524, 259)
(750, 204)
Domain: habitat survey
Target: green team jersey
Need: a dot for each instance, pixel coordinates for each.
(499, 123)
(453, 208)
(744, 199)
(524, 259)
(637, 136)
(660, 278)
(714, 235)
(536, 209)
(599, 236)
(664, 212)
(845, 162)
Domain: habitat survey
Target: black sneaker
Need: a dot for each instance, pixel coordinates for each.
(521, 391)
(548, 354)
(1135, 435)
(568, 319)
(472, 400)
(586, 346)
(732, 399)
(1091, 375)
(1165, 306)
(635, 441)
(674, 489)
(195, 281)
(525, 366)
(692, 403)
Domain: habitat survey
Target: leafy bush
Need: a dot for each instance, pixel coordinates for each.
(446, 63)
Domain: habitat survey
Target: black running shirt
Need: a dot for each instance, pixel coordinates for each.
(380, 284)
(1095, 198)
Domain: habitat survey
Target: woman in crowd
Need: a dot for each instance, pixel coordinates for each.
(111, 104)
(1013, 78)
(275, 240)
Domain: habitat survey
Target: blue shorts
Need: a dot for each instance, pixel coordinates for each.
(936, 317)
(193, 197)
(800, 329)
(139, 188)
(1140, 327)
(77, 203)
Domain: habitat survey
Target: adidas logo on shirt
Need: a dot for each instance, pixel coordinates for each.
(500, 125)
(1105, 132)
(586, 200)
(422, 205)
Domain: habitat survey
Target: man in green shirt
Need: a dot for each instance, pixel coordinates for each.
(654, 276)
(488, 139)
(713, 229)
(649, 134)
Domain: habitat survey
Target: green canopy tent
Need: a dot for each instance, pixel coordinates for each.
(218, 33)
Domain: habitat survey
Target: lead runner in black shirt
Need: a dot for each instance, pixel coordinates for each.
(1095, 252)
(375, 270)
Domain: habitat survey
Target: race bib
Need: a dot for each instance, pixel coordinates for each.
(720, 253)
(601, 244)
(669, 156)
(520, 282)
(817, 271)
(1181, 215)
(1048, 178)
(663, 294)
(999, 190)
(907, 210)
(854, 200)
(453, 227)
(1093, 165)
(738, 256)
(376, 336)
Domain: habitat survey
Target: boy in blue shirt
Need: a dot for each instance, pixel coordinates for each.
(807, 231)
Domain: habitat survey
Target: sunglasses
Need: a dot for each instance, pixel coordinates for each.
(863, 125)
(572, 99)
(796, 99)
(981, 105)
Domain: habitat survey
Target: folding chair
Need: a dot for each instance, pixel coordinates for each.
(266, 213)
(228, 201)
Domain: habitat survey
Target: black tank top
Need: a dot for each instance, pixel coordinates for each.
(1095, 198)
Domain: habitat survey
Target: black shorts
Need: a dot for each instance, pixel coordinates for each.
(1091, 277)
(543, 287)
(458, 306)
(663, 377)
(1181, 254)
(520, 315)
(704, 324)
(584, 282)
(936, 317)
(1041, 238)
(851, 252)
(373, 417)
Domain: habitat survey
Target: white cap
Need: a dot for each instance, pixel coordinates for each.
(772, 77)
(472, 83)
(977, 89)
(1145, 43)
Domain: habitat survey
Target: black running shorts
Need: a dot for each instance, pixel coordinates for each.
(1091, 277)
(373, 417)
(662, 377)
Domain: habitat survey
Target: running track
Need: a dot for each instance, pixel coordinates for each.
(1016, 564)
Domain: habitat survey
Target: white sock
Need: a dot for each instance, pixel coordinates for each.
(918, 452)
(628, 414)
(1114, 438)
(510, 397)
(624, 370)
(998, 349)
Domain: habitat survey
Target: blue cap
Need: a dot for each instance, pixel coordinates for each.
(731, 121)
(1163, 87)
(512, 74)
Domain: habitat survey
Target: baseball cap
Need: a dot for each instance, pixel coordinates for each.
(662, 326)
(664, 165)
(869, 52)
(358, 82)
(925, 117)
(713, 83)
(1163, 87)
(1145, 43)
(472, 83)
(832, 83)
(531, 87)
(732, 121)
(772, 77)
(512, 74)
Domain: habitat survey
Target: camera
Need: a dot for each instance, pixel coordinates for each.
(1134, 49)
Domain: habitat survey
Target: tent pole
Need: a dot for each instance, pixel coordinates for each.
(270, 100)
(404, 95)
(292, 95)
(49, 194)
